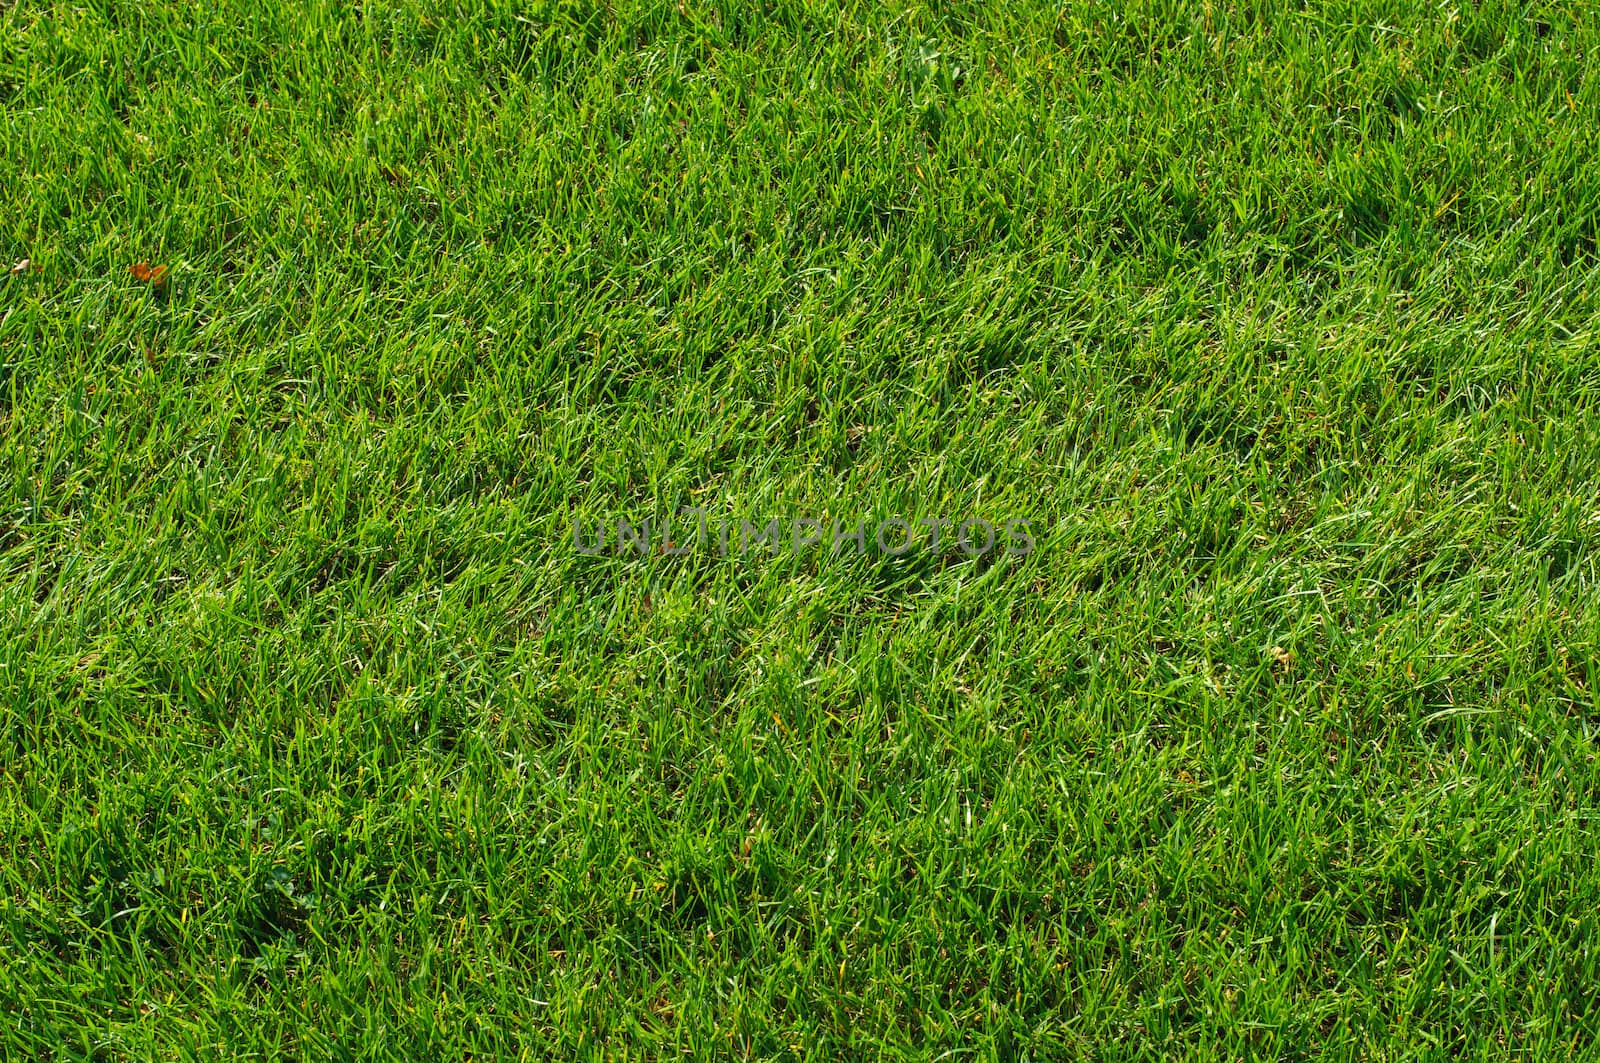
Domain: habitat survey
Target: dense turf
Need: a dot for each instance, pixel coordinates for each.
(318, 737)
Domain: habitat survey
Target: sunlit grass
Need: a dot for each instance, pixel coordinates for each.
(319, 738)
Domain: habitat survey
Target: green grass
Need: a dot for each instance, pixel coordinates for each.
(1278, 322)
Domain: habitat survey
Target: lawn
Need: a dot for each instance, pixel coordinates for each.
(1265, 337)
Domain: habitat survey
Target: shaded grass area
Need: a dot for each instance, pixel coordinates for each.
(1277, 322)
